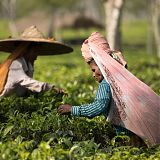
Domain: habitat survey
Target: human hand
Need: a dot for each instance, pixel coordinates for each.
(64, 109)
(58, 90)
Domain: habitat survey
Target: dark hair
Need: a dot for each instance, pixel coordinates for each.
(91, 61)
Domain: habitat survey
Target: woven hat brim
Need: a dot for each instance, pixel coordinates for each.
(42, 46)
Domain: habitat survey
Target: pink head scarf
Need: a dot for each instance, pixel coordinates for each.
(93, 38)
(117, 55)
(134, 105)
(85, 51)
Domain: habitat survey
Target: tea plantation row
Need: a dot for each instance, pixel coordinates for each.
(30, 127)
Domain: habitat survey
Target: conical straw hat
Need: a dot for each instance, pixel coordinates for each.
(42, 45)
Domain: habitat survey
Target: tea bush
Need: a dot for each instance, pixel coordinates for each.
(30, 127)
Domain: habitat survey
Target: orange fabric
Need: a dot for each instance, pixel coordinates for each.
(4, 67)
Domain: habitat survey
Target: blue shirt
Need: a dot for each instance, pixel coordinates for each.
(99, 106)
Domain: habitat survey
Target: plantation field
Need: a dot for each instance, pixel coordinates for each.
(31, 129)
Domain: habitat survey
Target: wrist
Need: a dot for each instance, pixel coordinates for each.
(75, 111)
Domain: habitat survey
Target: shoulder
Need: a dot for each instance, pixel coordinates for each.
(104, 90)
(104, 83)
(16, 64)
(105, 86)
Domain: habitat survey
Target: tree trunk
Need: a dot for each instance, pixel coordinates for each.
(50, 30)
(113, 11)
(149, 30)
(155, 6)
(9, 9)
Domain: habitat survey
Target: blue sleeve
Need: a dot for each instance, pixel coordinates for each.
(99, 106)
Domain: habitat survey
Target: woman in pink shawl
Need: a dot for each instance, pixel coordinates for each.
(127, 102)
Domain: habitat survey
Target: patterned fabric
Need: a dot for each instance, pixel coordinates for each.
(99, 106)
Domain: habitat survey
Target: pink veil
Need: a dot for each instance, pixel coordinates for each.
(134, 105)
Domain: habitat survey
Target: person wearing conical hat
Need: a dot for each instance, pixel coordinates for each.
(16, 72)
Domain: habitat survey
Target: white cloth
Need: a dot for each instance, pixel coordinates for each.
(20, 79)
